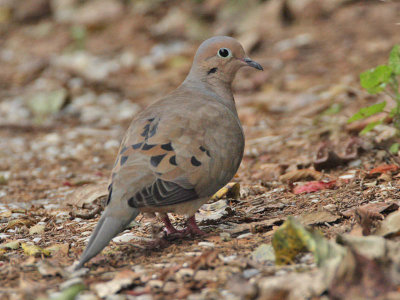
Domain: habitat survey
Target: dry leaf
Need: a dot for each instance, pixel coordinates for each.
(88, 194)
(318, 217)
(301, 175)
(36, 229)
(122, 279)
(314, 186)
(33, 250)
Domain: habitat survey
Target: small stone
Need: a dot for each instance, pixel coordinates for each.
(250, 273)
(244, 235)
(184, 275)
(225, 236)
(124, 238)
(71, 282)
(206, 244)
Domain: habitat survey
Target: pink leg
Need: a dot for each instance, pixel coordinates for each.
(169, 228)
(192, 227)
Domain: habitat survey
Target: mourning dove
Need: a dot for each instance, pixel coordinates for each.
(180, 150)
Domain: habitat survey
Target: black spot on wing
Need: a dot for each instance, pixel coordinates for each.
(109, 194)
(155, 160)
(205, 150)
(150, 120)
(147, 147)
(123, 160)
(145, 132)
(123, 150)
(167, 147)
(172, 160)
(153, 130)
(195, 162)
(137, 146)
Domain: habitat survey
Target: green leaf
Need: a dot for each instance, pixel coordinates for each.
(370, 126)
(394, 149)
(375, 80)
(368, 111)
(393, 112)
(394, 59)
(333, 109)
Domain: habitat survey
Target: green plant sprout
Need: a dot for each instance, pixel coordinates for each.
(383, 78)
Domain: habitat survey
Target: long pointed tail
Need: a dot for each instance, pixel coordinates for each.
(107, 228)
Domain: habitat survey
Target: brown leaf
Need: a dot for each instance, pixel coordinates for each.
(318, 217)
(359, 277)
(88, 194)
(380, 207)
(367, 219)
(300, 175)
(383, 169)
(327, 158)
(207, 259)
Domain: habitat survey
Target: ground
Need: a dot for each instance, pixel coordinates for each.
(73, 74)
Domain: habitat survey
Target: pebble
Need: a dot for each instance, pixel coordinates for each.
(126, 237)
(36, 240)
(71, 282)
(225, 236)
(206, 244)
(244, 235)
(248, 273)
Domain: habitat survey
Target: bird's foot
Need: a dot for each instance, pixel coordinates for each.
(192, 227)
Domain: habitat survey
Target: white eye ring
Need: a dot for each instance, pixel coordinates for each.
(224, 53)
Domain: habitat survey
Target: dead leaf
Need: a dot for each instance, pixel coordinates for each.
(45, 268)
(88, 194)
(206, 260)
(13, 245)
(301, 175)
(383, 169)
(231, 190)
(379, 207)
(318, 217)
(359, 277)
(17, 223)
(60, 248)
(327, 158)
(314, 186)
(390, 226)
(122, 279)
(36, 229)
(33, 250)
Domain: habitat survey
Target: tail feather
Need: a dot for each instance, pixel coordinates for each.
(108, 227)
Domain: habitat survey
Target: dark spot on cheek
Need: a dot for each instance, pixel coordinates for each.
(213, 70)
(172, 160)
(155, 160)
(195, 162)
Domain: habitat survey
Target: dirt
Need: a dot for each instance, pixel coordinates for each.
(113, 63)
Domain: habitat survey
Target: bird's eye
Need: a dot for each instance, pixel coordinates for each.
(224, 52)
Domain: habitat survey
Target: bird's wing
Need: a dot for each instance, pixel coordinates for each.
(170, 158)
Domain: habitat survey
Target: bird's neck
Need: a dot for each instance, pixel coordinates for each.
(214, 87)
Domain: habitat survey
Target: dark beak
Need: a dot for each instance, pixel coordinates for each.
(253, 64)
